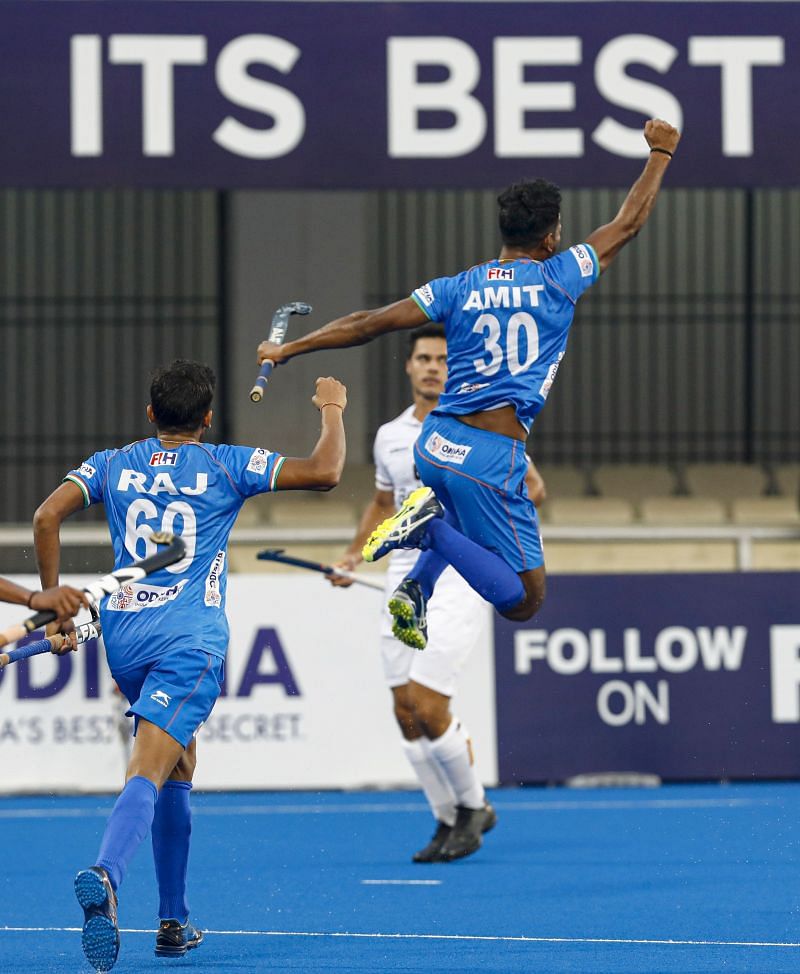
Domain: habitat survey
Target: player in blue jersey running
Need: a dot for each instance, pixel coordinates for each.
(507, 323)
(166, 640)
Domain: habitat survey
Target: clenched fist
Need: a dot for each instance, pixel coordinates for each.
(661, 135)
(329, 390)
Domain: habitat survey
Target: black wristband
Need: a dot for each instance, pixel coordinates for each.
(665, 151)
(30, 599)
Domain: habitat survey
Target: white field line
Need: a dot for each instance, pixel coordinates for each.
(592, 805)
(401, 882)
(624, 941)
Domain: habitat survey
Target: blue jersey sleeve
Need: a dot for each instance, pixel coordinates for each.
(253, 470)
(433, 298)
(573, 271)
(90, 476)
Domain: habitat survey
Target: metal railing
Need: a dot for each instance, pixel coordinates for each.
(742, 536)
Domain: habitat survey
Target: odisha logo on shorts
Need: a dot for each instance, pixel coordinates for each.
(440, 447)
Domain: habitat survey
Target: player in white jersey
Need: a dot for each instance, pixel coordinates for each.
(435, 741)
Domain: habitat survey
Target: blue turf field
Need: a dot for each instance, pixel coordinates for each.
(681, 879)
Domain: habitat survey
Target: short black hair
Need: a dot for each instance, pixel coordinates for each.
(433, 330)
(181, 395)
(528, 212)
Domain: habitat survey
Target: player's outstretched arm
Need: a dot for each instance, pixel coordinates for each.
(608, 240)
(63, 599)
(323, 469)
(357, 328)
(379, 508)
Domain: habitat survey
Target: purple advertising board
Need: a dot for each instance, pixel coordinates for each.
(366, 95)
(682, 676)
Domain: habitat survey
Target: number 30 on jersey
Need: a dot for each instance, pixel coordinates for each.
(519, 324)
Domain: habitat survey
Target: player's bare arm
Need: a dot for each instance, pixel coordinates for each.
(323, 469)
(62, 599)
(357, 328)
(608, 240)
(65, 500)
(379, 508)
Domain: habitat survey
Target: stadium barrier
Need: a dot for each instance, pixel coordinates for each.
(305, 703)
(679, 676)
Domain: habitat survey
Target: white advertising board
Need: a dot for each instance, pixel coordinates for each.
(305, 706)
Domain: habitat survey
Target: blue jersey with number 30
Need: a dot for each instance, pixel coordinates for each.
(195, 491)
(507, 323)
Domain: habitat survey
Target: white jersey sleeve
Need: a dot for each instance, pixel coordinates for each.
(383, 479)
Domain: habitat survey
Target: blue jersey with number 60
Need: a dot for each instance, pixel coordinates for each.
(507, 323)
(196, 491)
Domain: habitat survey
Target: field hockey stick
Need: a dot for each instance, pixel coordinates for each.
(174, 551)
(276, 554)
(51, 644)
(277, 334)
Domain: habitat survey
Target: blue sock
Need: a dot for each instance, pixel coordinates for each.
(485, 571)
(172, 831)
(427, 569)
(429, 566)
(127, 827)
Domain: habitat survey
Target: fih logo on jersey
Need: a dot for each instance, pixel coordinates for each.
(87, 470)
(163, 459)
(439, 447)
(500, 274)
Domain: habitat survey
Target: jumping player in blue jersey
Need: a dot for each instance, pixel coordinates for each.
(166, 639)
(507, 323)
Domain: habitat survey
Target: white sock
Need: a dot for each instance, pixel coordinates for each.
(432, 779)
(453, 751)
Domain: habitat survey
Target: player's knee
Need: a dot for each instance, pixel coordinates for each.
(431, 714)
(526, 609)
(184, 769)
(404, 716)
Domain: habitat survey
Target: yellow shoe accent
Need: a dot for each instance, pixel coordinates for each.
(391, 533)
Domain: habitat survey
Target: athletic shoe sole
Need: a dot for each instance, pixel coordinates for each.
(404, 626)
(100, 938)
